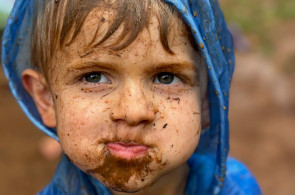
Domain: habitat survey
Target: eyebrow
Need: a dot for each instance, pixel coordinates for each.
(91, 65)
(166, 66)
(173, 66)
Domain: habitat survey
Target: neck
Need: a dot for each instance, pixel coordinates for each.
(173, 183)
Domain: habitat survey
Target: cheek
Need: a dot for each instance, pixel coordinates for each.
(81, 124)
(179, 127)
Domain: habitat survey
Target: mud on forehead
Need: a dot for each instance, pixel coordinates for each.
(97, 25)
(104, 28)
(57, 25)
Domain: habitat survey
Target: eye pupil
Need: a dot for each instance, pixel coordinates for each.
(165, 78)
(93, 78)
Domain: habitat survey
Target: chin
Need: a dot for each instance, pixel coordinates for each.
(128, 175)
(132, 186)
(127, 189)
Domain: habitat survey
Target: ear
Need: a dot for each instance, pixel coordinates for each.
(36, 86)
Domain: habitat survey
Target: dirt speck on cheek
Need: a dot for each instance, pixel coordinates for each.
(176, 99)
(108, 108)
(156, 110)
(162, 114)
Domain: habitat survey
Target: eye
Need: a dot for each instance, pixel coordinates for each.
(96, 77)
(166, 78)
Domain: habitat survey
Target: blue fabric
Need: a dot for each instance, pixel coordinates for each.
(239, 180)
(211, 172)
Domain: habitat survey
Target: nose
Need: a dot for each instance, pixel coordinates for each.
(132, 106)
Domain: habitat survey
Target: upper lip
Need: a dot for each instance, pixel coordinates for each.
(129, 144)
(132, 143)
(127, 150)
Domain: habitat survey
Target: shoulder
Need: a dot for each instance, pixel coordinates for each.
(239, 180)
(67, 180)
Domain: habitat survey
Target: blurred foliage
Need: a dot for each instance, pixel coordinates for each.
(3, 18)
(259, 18)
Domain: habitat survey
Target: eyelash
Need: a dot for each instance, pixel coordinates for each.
(174, 77)
(177, 77)
(101, 76)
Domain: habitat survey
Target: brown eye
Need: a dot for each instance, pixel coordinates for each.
(165, 78)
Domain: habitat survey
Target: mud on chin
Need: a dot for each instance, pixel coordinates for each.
(127, 175)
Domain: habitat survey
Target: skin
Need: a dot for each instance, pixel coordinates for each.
(129, 104)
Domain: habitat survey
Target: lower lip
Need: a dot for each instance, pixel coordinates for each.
(127, 151)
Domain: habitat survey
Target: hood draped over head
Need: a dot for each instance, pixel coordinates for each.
(208, 27)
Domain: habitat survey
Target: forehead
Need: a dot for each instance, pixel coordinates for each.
(104, 24)
(99, 21)
(146, 50)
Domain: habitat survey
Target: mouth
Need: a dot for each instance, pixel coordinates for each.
(127, 151)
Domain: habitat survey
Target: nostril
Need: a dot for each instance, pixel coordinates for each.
(132, 107)
(133, 116)
(137, 118)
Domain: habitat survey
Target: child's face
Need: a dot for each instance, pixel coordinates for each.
(128, 117)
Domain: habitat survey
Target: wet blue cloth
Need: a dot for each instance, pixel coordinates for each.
(239, 180)
(211, 171)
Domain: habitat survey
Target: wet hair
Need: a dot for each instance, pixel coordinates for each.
(58, 22)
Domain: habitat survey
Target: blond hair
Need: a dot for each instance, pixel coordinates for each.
(54, 19)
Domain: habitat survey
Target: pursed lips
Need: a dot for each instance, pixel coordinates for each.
(127, 151)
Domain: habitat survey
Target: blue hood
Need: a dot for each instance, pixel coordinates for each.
(207, 24)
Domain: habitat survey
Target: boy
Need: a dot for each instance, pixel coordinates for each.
(123, 86)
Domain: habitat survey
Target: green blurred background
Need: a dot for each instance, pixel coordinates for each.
(5, 7)
(260, 18)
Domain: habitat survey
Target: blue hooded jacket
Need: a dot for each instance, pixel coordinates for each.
(211, 172)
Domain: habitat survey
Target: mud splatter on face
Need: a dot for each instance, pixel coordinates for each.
(97, 114)
(117, 172)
